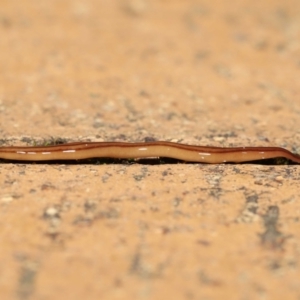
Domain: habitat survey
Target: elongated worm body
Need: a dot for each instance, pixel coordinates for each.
(203, 154)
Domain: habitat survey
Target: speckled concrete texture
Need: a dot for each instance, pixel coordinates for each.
(220, 73)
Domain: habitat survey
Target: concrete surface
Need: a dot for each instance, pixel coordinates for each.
(222, 73)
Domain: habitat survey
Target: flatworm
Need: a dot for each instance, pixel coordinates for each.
(190, 153)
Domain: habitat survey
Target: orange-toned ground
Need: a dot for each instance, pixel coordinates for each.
(222, 73)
